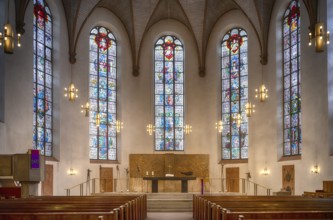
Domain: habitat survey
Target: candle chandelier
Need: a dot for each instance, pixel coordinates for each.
(187, 129)
(119, 126)
(237, 119)
(85, 109)
(150, 129)
(249, 109)
(71, 92)
(318, 35)
(98, 120)
(219, 126)
(7, 38)
(262, 92)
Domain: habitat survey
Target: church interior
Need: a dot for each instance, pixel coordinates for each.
(128, 96)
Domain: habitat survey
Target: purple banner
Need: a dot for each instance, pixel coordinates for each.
(34, 159)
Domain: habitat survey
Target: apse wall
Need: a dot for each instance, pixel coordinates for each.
(202, 100)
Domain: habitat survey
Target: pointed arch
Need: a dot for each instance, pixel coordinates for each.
(292, 136)
(103, 94)
(169, 94)
(43, 78)
(234, 94)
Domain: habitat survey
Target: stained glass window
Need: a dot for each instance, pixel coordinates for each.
(292, 136)
(234, 94)
(103, 94)
(169, 94)
(43, 78)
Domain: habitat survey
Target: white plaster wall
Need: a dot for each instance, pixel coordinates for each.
(202, 100)
(268, 142)
(329, 22)
(2, 85)
(212, 101)
(18, 102)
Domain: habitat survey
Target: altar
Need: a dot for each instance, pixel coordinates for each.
(167, 172)
(155, 179)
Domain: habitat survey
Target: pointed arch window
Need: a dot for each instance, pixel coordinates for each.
(103, 94)
(43, 78)
(234, 94)
(169, 94)
(292, 136)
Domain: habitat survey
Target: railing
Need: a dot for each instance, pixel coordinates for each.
(211, 185)
(240, 185)
(97, 185)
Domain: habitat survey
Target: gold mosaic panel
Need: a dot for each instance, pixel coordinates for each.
(161, 164)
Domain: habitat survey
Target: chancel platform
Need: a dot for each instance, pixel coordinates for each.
(155, 179)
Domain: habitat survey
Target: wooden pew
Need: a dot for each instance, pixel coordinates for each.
(62, 207)
(260, 207)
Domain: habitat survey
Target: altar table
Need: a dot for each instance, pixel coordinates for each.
(155, 179)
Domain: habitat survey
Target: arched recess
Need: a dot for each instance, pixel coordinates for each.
(168, 10)
(103, 18)
(191, 79)
(230, 20)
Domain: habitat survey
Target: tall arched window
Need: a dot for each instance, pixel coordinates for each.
(43, 78)
(169, 94)
(234, 94)
(292, 137)
(103, 94)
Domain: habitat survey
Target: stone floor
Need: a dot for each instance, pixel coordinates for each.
(170, 216)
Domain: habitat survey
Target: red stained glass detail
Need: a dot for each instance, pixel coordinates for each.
(103, 41)
(168, 49)
(40, 13)
(234, 42)
(168, 52)
(294, 12)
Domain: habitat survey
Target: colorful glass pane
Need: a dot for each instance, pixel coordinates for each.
(291, 80)
(234, 78)
(102, 94)
(169, 94)
(43, 77)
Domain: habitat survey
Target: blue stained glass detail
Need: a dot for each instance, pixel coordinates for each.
(43, 78)
(169, 94)
(234, 78)
(291, 80)
(102, 94)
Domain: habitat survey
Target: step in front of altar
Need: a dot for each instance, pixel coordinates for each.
(169, 202)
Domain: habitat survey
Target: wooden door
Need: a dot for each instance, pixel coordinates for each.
(288, 178)
(106, 176)
(47, 184)
(232, 179)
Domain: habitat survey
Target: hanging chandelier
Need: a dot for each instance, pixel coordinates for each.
(71, 92)
(150, 129)
(85, 109)
(219, 126)
(119, 126)
(238, 120)
(187, 129)
(7, 38)
(262, 93)
(98, 120)
(319, 36)
(249, 109)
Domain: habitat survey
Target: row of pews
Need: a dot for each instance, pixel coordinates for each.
(113, 207)
(214, 207)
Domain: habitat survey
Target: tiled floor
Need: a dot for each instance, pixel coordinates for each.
(170, 216)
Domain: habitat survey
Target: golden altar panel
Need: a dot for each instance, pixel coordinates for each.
(161, 164)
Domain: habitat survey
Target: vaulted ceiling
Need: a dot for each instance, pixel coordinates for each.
(199, 16)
